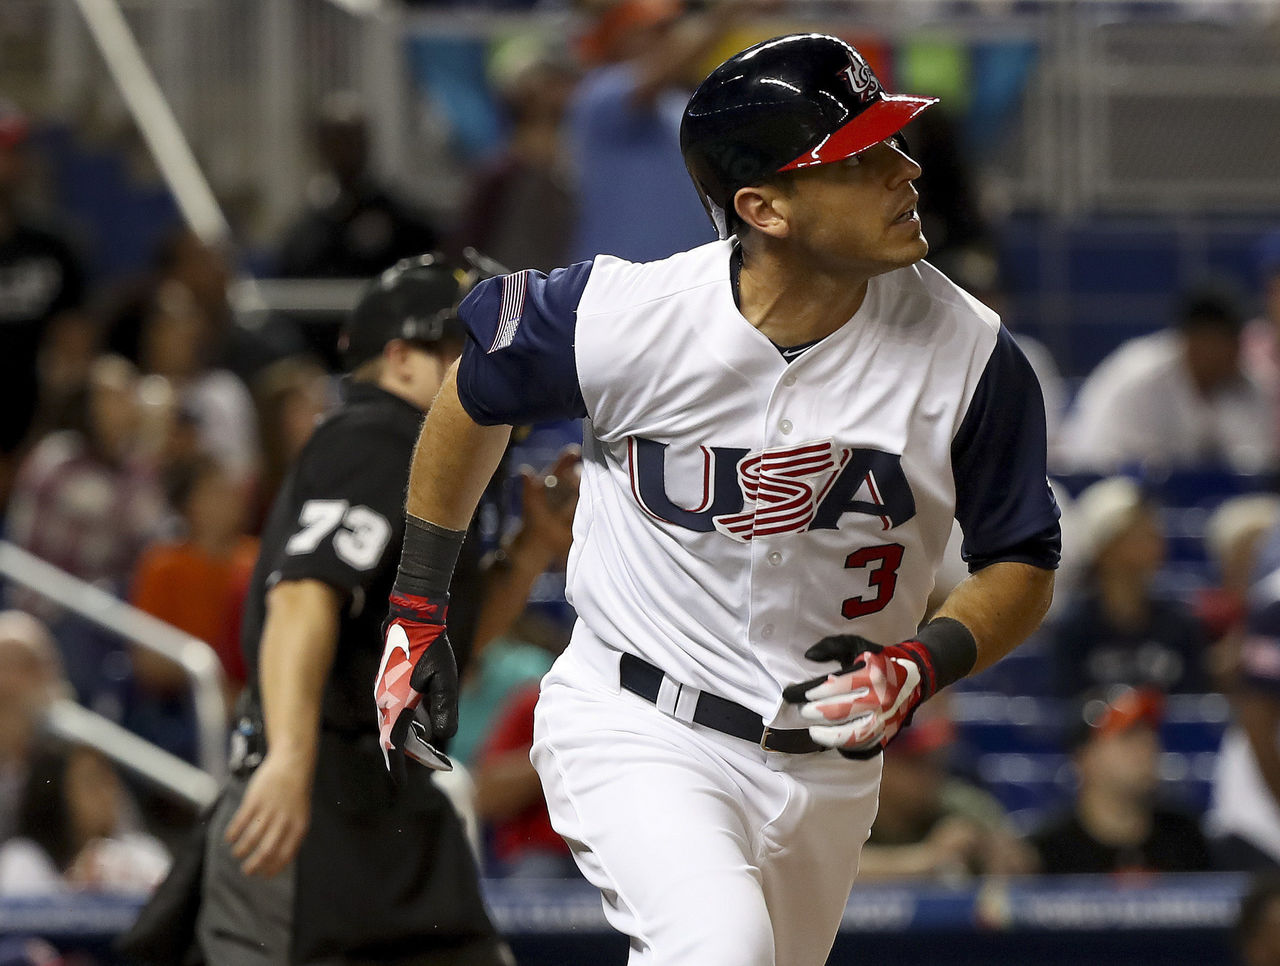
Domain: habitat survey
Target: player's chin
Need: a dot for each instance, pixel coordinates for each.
(909, 235)
(900, 252)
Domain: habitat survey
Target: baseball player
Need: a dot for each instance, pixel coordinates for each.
(780, 427)
(314, 854)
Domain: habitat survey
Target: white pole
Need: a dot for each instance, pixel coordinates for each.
(155, 120)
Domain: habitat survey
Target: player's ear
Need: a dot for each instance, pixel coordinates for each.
(763, 208)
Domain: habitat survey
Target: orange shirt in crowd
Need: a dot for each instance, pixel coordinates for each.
(184, 586)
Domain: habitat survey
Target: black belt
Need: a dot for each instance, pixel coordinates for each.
(720, 714)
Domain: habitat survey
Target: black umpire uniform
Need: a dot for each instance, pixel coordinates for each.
(385, 873)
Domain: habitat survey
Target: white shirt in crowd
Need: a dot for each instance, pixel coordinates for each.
(1140, 407)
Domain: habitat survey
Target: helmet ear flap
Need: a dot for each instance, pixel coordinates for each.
(719, 217)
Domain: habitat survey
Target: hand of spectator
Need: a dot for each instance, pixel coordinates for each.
(85, 870)
(953, 845)
(1003, 853)
(549, 501)
(136, 863)
(267, 830)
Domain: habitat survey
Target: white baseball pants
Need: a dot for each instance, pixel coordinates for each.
(707, 850)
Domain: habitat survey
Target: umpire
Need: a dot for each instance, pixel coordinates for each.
(314, 855)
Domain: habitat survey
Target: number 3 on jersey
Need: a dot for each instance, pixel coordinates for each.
(361, 536)
(884, 562)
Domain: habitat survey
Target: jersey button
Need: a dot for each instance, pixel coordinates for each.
(789, 380)
(766, 632)
(774, 558)
(785, 427)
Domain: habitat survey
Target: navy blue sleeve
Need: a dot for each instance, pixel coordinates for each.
(1003, 501)
(518, 364)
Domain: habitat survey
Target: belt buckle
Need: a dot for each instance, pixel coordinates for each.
(764, 739)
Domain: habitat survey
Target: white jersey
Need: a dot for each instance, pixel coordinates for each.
(736, 507)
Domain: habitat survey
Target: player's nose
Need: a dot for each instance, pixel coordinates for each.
(904, 166)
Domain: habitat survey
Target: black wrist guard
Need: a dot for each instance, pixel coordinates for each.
(952, 649)
(426, 563)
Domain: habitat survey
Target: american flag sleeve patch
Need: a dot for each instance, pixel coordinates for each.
(514, 289)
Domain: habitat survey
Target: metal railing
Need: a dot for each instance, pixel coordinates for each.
(196, 658)
(72, 722)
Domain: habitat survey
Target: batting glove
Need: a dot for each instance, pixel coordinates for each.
(861, 707)
(416, 662)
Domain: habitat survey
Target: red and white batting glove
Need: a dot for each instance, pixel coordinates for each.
(417, 661)
(864, 704)
(861, 707)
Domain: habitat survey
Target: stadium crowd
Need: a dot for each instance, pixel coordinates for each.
(144, 430)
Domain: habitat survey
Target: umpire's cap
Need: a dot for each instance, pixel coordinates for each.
(787, 103)
(415, 300)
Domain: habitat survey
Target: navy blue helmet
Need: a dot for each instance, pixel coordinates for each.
(784, 104)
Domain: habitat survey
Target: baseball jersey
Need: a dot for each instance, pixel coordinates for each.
(735, 506)
(339, 519)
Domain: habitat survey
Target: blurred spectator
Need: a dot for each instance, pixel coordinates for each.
(1116, 824)
(634, 194)
(499, 700)
(354, 227)
(1260, 345)
(1184, 400)
(74, 831)
(1233, 537)
(41, 290)
(175, 344)
(290, 397)
(28, 951)
(1257, 931)
(514, 646)
(85, 502)
(1244, 815)
(184, 262)
(932, 824)
(521, 210)
(502, 667)
(509, 797)
(30, 677)
(194, 583)
(65, 361)
(1116, 630)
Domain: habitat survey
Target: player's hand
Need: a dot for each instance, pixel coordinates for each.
(864, 704)
(267, 829)
(417, 662)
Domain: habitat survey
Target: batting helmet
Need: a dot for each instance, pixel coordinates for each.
(784, 104)
(416, 300)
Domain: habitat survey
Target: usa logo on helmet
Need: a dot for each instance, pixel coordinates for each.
(861, 80)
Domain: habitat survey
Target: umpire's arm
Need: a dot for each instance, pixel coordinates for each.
(296, 653)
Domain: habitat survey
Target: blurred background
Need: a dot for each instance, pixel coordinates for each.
(193, 193)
